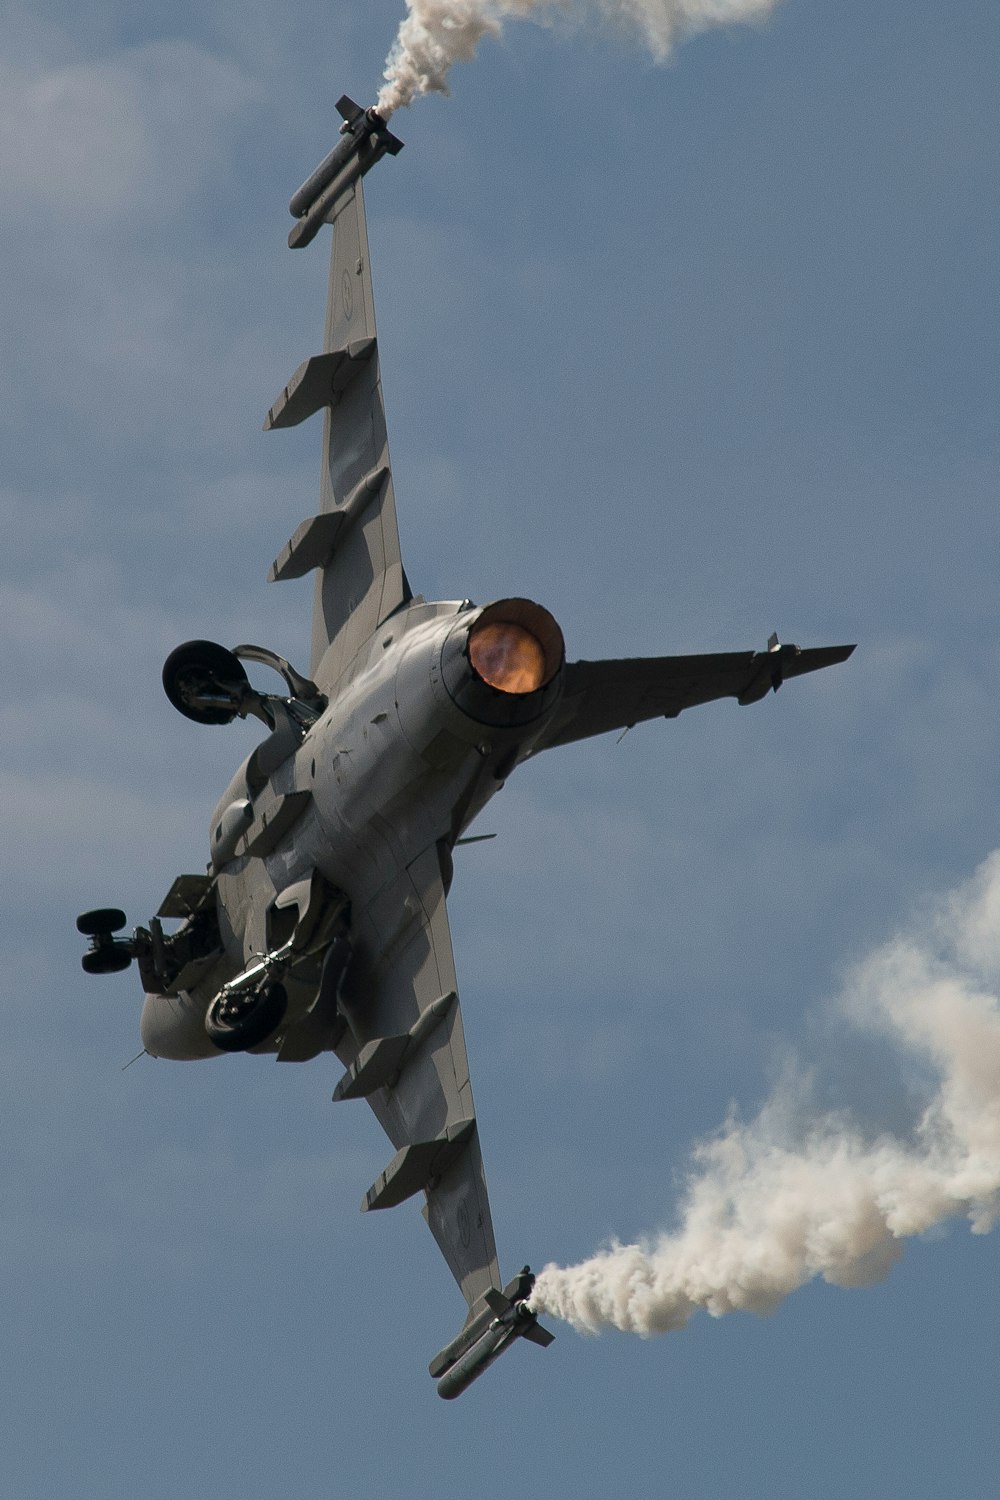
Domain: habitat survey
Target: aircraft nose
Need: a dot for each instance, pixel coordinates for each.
(173, 1026)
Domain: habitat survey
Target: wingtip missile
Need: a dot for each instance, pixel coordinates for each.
(486, 1336)
(770, 668)
(364, 139)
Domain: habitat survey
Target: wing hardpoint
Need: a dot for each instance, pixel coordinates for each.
(353, 541)
(413, 1069)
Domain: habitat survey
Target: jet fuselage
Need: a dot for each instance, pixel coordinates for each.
(403, 758)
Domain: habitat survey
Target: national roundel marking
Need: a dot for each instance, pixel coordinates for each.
(464, 1227)
(347, 295)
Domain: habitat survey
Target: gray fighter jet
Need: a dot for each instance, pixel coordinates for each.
(320, 925)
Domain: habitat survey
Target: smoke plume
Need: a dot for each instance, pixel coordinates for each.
(770, 1204)
(437, 33)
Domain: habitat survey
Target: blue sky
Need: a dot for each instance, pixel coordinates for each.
(689, 353)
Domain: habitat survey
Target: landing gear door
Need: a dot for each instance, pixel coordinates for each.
(301, 913)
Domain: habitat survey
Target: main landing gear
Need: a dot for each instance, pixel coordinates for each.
(250, 1008)
(240, 1019)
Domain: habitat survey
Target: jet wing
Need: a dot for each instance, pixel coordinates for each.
(405, 1053)
(353, 542)
(604, 695)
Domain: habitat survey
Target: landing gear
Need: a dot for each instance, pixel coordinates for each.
(205, 682)
(102, 922)
(208, 683)
(240, 1019)
(250, 1008)
(107, 954)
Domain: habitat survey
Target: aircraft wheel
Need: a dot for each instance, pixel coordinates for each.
(100, 923)
(244, 1021)
(110, 958)
(205, 682)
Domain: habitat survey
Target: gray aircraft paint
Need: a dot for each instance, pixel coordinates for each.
(339, 827)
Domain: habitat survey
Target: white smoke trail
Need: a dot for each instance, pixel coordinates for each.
(437, 33)
(770, 1204)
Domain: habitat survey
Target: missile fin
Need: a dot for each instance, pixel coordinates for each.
(349, 109)
(503, 1318)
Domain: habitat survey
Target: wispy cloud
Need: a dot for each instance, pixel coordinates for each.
(117, 141)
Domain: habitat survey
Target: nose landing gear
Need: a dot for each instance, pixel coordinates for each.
(106, 954)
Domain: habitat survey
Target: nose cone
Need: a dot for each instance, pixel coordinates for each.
(173, 1026)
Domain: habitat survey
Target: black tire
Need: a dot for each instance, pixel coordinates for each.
(112, 958)
(101, 922)
(204, 665)
(257, 1019)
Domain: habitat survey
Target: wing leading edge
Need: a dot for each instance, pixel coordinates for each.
(406, 1054)
(404, 1050)
(354, 540)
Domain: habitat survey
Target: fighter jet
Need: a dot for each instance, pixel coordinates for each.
(320, 924)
